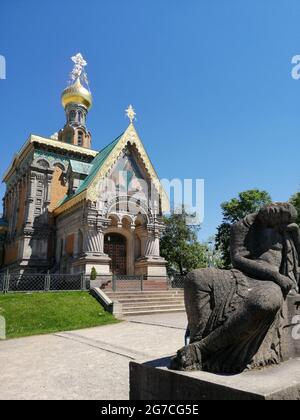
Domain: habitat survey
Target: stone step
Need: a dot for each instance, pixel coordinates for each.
(135, 285)
(151, 300)
(152, 307)
(151, 312)
(144, 294)
(136, 288)
(147, 300)
(151, 303)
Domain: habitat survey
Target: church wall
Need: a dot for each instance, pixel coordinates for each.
(67, 237)
(70, 241)
(22, 201)
(11, 253)
(58, 189)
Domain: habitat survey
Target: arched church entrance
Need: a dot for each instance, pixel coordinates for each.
(115, 247)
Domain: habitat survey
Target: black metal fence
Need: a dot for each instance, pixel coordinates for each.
(143, 283)
(11, 282)
(42, 282)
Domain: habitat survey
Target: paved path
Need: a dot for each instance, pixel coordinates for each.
(85, 364)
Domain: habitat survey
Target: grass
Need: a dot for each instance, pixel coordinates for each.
(42, 313)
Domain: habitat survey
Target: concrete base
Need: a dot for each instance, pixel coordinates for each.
(152, 267)
(86, 264)
(153, 381)
(290, 340)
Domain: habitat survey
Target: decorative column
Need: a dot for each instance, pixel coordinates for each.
(93, 245)
(152, 264)
(93, 242)
(153, 241)
(49, 178)
(29, 215)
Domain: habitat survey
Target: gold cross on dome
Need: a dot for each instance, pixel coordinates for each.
(130, 113)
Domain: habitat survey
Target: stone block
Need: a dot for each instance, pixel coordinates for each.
(152, 380)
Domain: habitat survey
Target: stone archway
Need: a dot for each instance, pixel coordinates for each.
(115, 246)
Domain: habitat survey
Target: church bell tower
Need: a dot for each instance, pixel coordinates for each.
(77, 101)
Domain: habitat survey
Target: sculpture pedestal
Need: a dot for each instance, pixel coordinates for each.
(86, 264)
(152, 267)
(153, 380)
(290, 340)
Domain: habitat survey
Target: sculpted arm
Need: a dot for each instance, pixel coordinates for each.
(241, 258)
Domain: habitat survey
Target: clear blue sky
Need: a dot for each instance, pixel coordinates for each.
(210, 81)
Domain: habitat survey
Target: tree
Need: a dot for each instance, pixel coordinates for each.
(180, 247)
(213, 254)
(247, 202)
(295, 200)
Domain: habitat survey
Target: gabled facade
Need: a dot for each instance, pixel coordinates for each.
(68, 208)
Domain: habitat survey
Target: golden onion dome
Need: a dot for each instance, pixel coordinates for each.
(77, 94)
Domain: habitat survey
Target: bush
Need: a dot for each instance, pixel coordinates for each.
(93, 274)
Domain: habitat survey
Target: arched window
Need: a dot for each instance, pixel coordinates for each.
(43, 163)
(80, 117)
(80, 139)
(72, 115)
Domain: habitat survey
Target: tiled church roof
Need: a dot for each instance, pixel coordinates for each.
(96, 165)
(101, 166)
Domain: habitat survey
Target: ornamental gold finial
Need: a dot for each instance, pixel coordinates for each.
(130, 113)
(78, 91)
(78, 72)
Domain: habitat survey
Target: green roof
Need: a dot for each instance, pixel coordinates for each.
(95, 166)
(80, 167)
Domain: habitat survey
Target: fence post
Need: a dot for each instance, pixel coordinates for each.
(114, 283)
(6, 282)
(47, 282)
(142, 283)
(83, 285)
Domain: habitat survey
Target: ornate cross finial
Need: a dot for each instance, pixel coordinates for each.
(78, 71)
(130, 113)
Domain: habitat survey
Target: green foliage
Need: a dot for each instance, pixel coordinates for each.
(247, 202)
(180, 247)
(42, 313)
(295, 200)
(93, 273)
(214, 255)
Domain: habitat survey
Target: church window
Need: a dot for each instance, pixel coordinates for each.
(39, 192)
(80, 139)
(43, 163)
(72, 115)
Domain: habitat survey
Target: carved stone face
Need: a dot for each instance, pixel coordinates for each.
(277, 214)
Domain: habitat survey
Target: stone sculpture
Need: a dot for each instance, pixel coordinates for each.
(235, 316)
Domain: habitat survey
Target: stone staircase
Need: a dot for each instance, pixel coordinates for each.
(149, 302)
(136, 285)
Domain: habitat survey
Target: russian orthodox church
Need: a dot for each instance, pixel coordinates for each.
(69, 208)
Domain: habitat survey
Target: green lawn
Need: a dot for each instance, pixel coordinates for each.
(40, 313)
